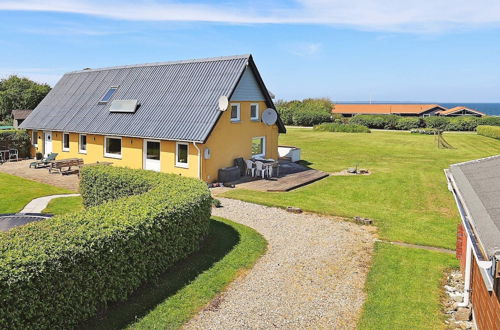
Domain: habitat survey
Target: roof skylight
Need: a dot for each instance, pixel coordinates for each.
(108, 95)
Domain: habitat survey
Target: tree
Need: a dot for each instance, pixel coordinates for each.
(20, 93)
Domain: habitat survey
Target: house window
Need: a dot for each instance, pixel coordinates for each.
(235, 112)
(259, 146)
(82, 144)
(181, 157)
(254, 111)
(34, 138)
(113, 147)
(108, 95)
(65, 141)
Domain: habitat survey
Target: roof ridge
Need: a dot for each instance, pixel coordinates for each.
(196, 60)
(476, 160)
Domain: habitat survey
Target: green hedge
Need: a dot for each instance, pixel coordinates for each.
(58, 272)
(408, 123)
(310, 118)
(334, 127)
(16, 139)
(489, 131)
(376, 121)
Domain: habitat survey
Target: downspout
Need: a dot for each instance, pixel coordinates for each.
(199, 160)
(468, 262)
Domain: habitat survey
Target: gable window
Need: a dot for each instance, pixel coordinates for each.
(181, 155)
(34, 138)
(82, 144)
(113, 147)
(65, 141)
(254, 111)
(259, 146)
(108, 95)
(235, 112)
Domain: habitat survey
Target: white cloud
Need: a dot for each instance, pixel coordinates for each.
(385, 15)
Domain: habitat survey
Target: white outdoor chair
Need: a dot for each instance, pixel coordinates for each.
(13, 154)
(250, 168)
(259, 167)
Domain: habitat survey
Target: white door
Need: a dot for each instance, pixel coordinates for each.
(152, 155)
(47, 146)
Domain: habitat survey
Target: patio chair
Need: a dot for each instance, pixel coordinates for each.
(44, 162)
(259, 169)
(250, 168)
(13, 154)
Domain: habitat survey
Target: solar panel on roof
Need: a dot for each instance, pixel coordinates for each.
(123, 106)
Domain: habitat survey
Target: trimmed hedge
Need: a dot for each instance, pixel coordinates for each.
(408, 123)
(376, 121)
(16, 139)
(310, 118)
(334, 127)
(58, 272)
(489, 131)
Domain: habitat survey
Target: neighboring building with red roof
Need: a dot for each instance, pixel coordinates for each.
(349, 110)
(461, 111)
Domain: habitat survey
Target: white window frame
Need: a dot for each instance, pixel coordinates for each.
(177, 164)
(62, 147)
(238, 107)
(145, 150)
(34, 137)
(263, 154)
(80, 143)
(256, 112)
(106, 143)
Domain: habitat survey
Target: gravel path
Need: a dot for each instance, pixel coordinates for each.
(312, 275)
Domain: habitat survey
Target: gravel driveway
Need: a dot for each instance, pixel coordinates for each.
(312, 275)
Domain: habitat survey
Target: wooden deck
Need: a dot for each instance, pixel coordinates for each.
(285, 183)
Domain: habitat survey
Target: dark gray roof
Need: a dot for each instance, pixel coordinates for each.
(21, 114)
(478, 182)
(178, 100)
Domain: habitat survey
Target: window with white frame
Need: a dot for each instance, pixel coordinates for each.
(254, 111)
(113, 147)
(235, 112)
(34, 138)
(181, 155)
(82, 144)
(65, 142)
(259, 146)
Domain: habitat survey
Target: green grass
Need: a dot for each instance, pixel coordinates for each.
(407, 193)
(177, 295)
(16, 192)
(403, 288)
(63, 205)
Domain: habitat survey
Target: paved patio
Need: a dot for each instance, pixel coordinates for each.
(21, 168)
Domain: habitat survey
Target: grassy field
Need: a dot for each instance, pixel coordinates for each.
(407, 193)
(63, 205)
(16, 192)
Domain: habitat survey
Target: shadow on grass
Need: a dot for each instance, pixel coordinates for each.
(304, 162)
(220, 241)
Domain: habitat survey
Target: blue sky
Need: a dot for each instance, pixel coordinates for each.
(386, 50)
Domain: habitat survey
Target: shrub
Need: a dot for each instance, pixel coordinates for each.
(463, 123)
(489, 131)
(310, 118)
(58, 272)
(16, 139)
(408, 123)
(376, 121)
(489, 121)
(428, 131)
(436, 122)
(334, 127)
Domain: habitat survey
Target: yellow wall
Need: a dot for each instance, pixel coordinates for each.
(231, 140)
(227, 141)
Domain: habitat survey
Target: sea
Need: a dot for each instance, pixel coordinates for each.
(491, 109)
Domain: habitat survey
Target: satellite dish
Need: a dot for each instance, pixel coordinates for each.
(269, 116)
(223, 103)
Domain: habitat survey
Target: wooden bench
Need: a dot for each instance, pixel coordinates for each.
(60, 165)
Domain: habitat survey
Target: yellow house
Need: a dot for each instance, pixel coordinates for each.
(186, 117)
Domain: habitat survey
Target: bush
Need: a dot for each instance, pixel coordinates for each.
(334, 127)
(307, 112)
(428, 131)
(489, 131)
(58, 272)
(436, 122)
(463, 123)
(376, 121)
(408, 123)
(489, 121)
(310, 118)
(16, 139)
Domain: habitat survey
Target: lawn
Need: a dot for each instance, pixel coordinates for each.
(64, 205)
(16, 192)
(407, 193)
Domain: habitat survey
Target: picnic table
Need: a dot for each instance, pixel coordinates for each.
(59, 165)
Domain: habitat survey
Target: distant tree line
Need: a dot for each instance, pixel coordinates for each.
(19, 93)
